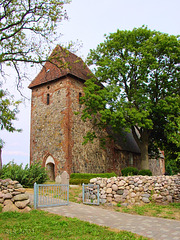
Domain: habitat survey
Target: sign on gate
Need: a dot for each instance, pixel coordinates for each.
(47, 195)
(90, 194)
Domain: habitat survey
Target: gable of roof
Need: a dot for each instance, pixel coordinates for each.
(61, 63)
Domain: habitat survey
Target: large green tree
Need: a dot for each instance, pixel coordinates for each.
(140, 70)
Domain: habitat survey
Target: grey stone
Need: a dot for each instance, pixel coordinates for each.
(7, 196)
(22, 204)
(7, 201)
(58, 179)
(146, 195)
(145, 200)
(64, 178)
(21, 197)
(102, 200)
(109, 190)
(114, 187)
(120, 191)
(25, 210)
(10, 208)
(18, 185)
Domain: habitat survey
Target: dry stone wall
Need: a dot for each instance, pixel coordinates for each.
(138, 189)
(13, 196)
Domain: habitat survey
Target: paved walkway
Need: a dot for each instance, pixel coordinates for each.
(155, 228)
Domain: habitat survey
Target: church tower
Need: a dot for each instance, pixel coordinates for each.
(56, 132)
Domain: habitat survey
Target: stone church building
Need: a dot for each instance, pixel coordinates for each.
(57, 133)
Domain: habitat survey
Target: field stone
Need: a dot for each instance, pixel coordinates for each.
(7, 201)
(114, 187)
(146, 195)
(120, 191)
(21, 197)
(109, 190)
(10, 208)
(21, 190)
(145, 200)
(22, 204)
(7, 196)
(18, 185)
(25, 210)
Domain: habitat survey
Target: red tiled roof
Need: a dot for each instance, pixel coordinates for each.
(62, 62)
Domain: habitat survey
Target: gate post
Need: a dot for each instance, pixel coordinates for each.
(35, 195)
(83, 192)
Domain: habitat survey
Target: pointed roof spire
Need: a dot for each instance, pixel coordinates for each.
(61, 63)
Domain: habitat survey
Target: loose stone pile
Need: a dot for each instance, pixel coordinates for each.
(138, 189)
(13, 196)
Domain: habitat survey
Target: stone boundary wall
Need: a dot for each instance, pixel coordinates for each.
(138, 189)
(13, 196)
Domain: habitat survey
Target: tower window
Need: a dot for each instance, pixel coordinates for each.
(48, 97)
(80, 95)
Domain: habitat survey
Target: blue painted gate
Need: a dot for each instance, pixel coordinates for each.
(48, 195)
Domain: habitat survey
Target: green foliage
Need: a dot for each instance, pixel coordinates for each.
(145, 172)
(8, 110)
(129, 171)
(91, 175)
(27, 176)
(140, 69)
(79, 178)
(78, 181)
(169, 170)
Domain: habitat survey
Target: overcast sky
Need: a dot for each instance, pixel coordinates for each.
(88, 21)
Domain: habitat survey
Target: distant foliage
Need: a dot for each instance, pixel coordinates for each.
(145, 172)
(79, 181)
(129, 171)
(27, 176)
(169, 170)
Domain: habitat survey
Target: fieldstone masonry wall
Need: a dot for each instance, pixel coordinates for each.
(13, 196)
(138, 189)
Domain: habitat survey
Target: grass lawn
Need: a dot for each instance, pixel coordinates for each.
(170, 211)
(41, 226)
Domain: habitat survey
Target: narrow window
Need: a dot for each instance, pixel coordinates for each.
(48, 99)
(80, 95)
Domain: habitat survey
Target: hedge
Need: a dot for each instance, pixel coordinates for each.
(79, 178)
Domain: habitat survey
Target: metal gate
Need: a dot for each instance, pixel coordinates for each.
(48, 195)
(90, 194)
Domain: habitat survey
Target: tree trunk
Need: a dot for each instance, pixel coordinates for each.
(141, 136)
(144, 155)
(0, 158)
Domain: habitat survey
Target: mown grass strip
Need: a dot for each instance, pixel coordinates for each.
(44, 226)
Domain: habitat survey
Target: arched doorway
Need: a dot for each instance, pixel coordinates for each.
(50, 166)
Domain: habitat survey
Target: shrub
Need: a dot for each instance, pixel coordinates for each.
(79, 178)
(27, 176)
(169, 170)
(78, 181)
(145, 172)
(129, 171)
(91, 175)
